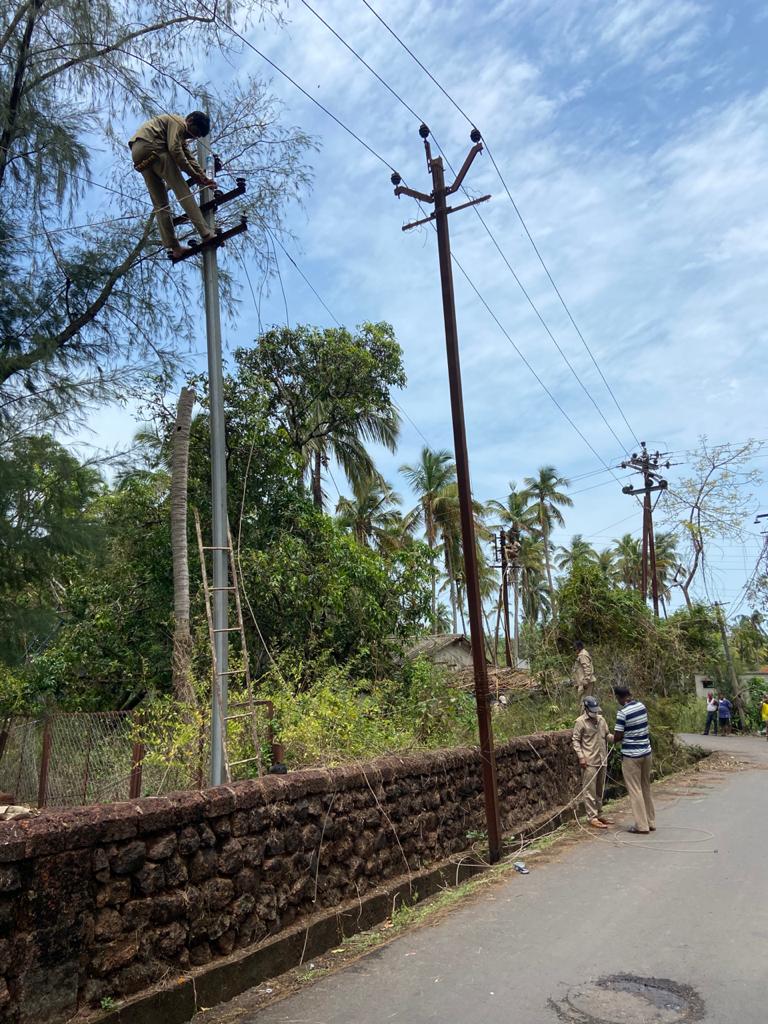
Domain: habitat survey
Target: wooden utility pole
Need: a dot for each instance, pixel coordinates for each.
(647, 464)
(438, 196)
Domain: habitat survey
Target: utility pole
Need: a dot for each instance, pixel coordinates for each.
(648, 464)
(438, 196)
(220, 521)
(504, 565)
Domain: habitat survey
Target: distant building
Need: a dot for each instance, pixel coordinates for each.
(450, 649)
(705, 684)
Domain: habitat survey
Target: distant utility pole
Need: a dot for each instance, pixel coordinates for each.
(438, 196)
(506, 557)
(647, 464)
(500, 559)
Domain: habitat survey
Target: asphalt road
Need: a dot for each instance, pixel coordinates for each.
(688, 903)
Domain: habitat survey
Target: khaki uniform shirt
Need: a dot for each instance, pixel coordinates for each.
(167, 134)
(590, 739)
(582, 671)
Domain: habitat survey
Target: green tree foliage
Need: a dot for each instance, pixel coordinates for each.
(330, 392)
(88, 311)
(46, 529)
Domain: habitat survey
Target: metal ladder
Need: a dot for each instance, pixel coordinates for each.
(244, 710)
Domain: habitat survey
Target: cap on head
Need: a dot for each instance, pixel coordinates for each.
(591, 705)
(198, 123)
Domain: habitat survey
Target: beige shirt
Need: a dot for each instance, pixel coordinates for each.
(582, 671)
(590, 739)
(167, 133)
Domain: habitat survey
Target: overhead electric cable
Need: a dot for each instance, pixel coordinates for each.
(482, 220)
(217, 17)
(520, 217)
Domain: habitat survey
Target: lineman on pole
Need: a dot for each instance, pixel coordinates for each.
(159, 153)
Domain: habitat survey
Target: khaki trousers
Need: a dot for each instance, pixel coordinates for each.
(593, 785)
(162, 174)
(637, 778)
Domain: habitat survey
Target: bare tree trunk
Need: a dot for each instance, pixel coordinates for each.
(182, 636)
(548, 566)
(317, 480)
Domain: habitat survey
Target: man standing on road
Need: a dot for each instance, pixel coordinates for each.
(724, 708)
(583, 673)
(590, 742)
(711, 713)
(764, 713)
(632, 737)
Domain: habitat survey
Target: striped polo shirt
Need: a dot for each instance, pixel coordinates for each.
(632, 721)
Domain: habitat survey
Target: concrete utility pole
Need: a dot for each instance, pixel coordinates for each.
(505, 595)
(647, 464)
(440, 193)
(220, 523)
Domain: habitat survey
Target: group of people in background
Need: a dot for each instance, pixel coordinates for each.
(719, 711)
(631, 736)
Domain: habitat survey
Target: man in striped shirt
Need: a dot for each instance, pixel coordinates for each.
(632, 738)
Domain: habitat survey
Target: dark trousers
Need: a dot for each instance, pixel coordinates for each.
(711, 717)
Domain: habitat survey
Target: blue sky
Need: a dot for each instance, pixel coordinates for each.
(634, 139)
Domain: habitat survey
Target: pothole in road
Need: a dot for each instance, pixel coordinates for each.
(627, 999)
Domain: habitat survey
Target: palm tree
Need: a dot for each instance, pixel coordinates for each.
(606, 562)
(579, 551)
(431, 479)
(535, 598)
(346, 444)
(628, 561)
(547, 497)
(371, 514)
(516, 512)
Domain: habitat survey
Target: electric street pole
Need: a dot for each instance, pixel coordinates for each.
(440, 193)
(505, 595)
(220, 521)
(648, 465)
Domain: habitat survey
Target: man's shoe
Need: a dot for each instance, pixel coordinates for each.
(638, 831)
(176, 252)
(596, 823)
(606, 821)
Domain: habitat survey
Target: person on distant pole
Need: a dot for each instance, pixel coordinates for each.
(631, 736)
(583, 673)
(590, 743)
(159, 153)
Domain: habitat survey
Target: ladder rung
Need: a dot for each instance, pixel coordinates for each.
(234, 718)
(215, 547)
(221, 588)
(240, 704)
(228, 629)
(245, 760)
(232, 672)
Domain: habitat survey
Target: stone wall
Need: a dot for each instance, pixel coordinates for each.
(106, 901)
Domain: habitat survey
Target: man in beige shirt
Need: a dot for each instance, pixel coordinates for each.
(583, 673)
(160, 154)
(590, 743)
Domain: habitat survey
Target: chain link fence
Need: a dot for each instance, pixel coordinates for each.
(65, 760)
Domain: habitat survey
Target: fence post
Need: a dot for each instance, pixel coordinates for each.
(45, 763)
(137, 759)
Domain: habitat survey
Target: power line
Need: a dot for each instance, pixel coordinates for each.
(516, 209)
(387, 164)
(482, 220)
